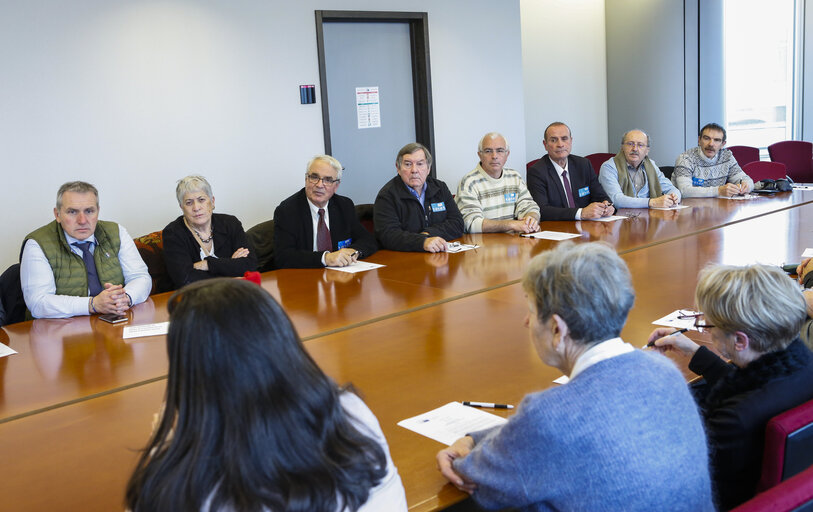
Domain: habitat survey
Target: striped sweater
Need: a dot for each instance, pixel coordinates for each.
(479, 196)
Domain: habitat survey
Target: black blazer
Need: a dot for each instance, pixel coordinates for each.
(546, 187)
(737, 405)
(293, 231)
(181, 251)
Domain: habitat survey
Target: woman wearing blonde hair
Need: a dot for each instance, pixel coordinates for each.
(753, 315)
(201, 244)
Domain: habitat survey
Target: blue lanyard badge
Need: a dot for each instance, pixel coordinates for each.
(698, 182)
(345, 243)
(584, 191)
(438, 207)
(510, 197)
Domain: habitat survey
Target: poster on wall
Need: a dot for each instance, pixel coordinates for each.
(368, 109)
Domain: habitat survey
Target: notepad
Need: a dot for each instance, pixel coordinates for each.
(359, 266)
(140, 331)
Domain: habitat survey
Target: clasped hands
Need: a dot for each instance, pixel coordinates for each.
(112, 300)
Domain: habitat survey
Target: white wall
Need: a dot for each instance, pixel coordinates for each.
(564, 72)
(132, 95)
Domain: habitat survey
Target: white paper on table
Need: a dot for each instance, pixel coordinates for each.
(551, 235)
(140, 331)
(609, 219)
(450, 422)
(458, 247)
(5, 350)
(802, 187)
(740, 198)
(808, 253)
(358, 266)
(564, 379)
(678, 207)
(672, 320)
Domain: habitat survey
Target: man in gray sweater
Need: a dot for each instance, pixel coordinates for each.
(710, 170)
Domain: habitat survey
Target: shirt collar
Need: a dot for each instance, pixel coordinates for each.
(315, 209)
(71, 240)
(600, 352)
(559, 168)
(412, 191)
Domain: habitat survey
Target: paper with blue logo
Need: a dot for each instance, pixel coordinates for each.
(510, 197)
(345, 243)
(584, 191)
(438, 207)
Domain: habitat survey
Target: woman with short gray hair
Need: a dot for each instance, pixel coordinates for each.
(623, 434)
(190, 241)
(753, 314)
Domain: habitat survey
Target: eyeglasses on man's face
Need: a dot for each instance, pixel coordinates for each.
(499, 151)
(632, 145)
(315, 178)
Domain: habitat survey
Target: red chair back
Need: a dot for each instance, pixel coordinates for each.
(531, 164)
(797, 155)
(745, 154)
(596, 159)
(759, 171)
(794, 494)
(788, 445)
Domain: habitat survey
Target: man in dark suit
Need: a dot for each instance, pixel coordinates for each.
(318, 228)
(563, 185)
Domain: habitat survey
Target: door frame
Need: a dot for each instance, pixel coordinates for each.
(421, 76)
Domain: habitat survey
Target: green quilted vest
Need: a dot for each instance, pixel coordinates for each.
(69, 269)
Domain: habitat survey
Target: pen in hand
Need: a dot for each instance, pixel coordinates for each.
(679, 331)
(489, 405)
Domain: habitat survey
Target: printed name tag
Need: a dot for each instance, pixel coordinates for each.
(510, 197)
(584, 191)
(698, 182)
(345, 243)
(438, 207)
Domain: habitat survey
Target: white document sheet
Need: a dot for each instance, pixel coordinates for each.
(678, 207)
(802, 187)
(551, 235)
(140, 331)
(359, 266)
(458, 247)
(808, 253)
(450, 422)
(564, 379)
(609, 219)
(672, 320)
(5, 350)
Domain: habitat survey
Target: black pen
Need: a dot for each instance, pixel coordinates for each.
(489, 405)
(679, 331)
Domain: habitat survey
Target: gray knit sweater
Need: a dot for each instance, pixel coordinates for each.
(698, 176)
(625, 434)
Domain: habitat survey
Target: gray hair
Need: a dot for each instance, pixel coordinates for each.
(759, 300)
(588, 285)
(192, 183)
(556, 123)
(337, 166)
(411, 148)
(624, 137)
(80, 187)
(493, 135)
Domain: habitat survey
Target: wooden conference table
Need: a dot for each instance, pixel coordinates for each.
(77, 401)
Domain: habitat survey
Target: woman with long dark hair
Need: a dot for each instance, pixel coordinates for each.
(251, 422)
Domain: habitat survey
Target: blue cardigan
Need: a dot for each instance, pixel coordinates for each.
(625, 434)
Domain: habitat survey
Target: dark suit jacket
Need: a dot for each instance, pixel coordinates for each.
(293, 231)
(737, 405)
(181, 251)
(546, 187)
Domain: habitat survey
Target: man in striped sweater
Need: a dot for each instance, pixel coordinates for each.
(493, 199)
(710, 170)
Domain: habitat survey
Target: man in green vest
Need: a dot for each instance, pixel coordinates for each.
(79, 265)
(631, 178)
